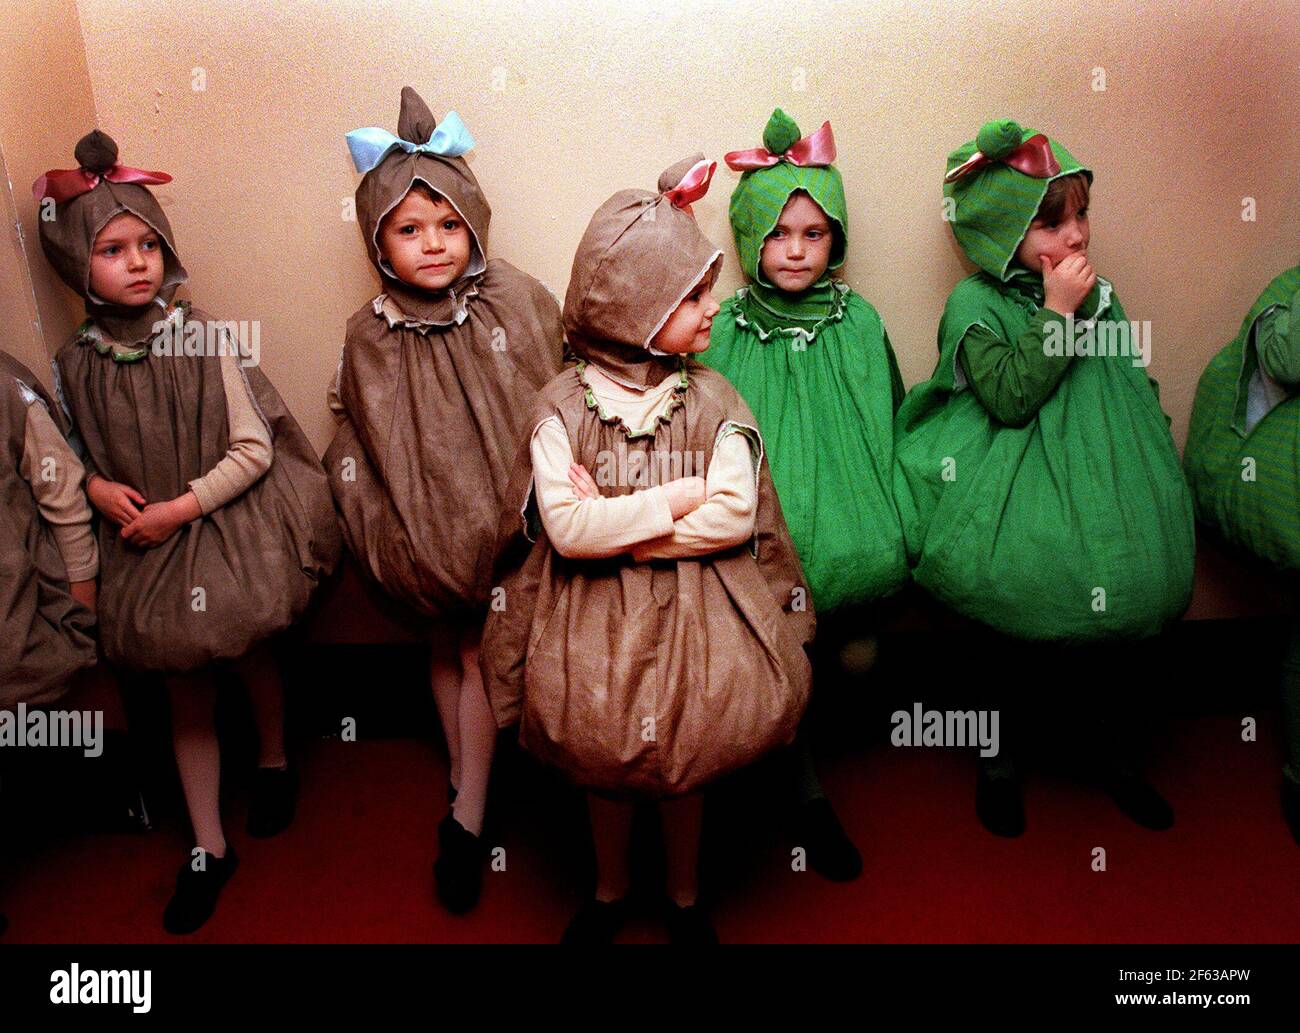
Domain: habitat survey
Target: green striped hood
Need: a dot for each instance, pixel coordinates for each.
(995, 205)
(760, 195)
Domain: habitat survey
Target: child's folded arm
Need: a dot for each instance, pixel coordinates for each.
(248, 452)
(1277, 341)
(1012, 380)
(589, 528)
(726, 517)
(60, 498)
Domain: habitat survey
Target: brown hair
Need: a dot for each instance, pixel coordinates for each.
(1060, 193)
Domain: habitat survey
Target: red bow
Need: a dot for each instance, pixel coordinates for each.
(1034, 158)
(65, 184)
(694, 185)
(817, 149)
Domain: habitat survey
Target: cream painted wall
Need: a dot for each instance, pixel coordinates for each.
(570, 101)
(45, 100)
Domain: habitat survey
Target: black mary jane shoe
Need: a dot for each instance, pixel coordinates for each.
(596, 923)
(831, 854)
(273, 802)
(999, 804)
(197, 892)
(1139, 800)
(689, 926)
(458, 872)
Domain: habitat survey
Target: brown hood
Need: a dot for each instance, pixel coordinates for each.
(69, 238)
(639, 258)
(383, 188)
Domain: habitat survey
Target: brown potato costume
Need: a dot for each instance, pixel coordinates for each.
(645, 679)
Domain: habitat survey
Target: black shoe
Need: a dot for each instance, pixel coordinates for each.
(689, 926)
(197, 891)
(999, 805)
(596, 923)
(273, 803)
(115, 803)
(1139, 800)
(119, 809)
(458, 872)
(1291, 807)
(830, 851)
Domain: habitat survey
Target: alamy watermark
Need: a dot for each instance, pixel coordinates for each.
(209, 337)
(638, 468)
(920, 727)
(80, 729)
(1104, 338)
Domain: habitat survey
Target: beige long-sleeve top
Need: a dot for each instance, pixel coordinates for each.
(641, 522)
(248, 447)
(56, 475)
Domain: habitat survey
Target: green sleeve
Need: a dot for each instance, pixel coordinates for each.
(1012, 380)
(1278, 344)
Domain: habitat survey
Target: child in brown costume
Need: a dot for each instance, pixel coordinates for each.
(47, 549)
(49, 556)
(217, 523)
(655, 619)
(437, 374)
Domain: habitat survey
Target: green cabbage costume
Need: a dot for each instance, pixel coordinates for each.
(1243, 463)
(819, 374)
(1071, 521)
(1243, 446)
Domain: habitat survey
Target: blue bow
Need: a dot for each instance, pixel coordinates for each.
(369, 145)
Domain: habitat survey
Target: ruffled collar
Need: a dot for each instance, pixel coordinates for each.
(424, 311)
(769, 312)
(91, 333)
(664, 417)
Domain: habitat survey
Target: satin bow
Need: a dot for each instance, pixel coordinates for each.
(818, 149)
(693, 186)
(369, 145)
(65, 184)
(1034, 158)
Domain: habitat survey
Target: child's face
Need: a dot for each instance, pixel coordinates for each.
(687, 329)
(126, 262)
(795, 254)
(425, 241)
(1057, 240)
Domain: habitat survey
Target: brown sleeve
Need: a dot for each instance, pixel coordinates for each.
(56, 476)
(249, 450)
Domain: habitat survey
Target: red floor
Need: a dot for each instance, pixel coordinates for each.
(356, 864)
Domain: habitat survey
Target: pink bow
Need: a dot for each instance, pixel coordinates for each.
(65, 184)
(1034, 158)
(817, 149)
(694, 185)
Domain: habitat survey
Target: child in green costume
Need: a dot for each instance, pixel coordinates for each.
(812, 359)
(1243, 465)
(1038, 485)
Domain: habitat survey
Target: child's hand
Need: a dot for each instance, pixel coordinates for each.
(583, 485)
(85, 593)
(160, 520)
(1066, 285)
(685, 495)
(120, 503)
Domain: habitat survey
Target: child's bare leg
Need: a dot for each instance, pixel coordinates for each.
(261, 677)
(611, 831)
(198, 757)
(478, 736)
(444, 680)
(682, 820)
